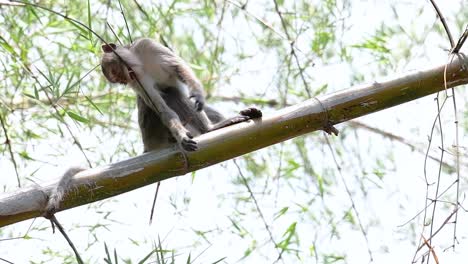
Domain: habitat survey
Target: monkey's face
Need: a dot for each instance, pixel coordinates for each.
(112, 67)
(114, 70)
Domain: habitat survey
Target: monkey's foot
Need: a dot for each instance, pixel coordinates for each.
(251, 112)
(188, 143)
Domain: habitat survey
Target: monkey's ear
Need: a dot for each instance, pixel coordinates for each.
(108, 47)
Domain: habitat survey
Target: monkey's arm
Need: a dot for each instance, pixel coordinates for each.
(174, 65)
(168, 117)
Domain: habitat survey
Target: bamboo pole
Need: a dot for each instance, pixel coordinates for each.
(107, 181)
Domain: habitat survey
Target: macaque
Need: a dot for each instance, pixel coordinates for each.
(156, 136)
(169, 94)
(170, 99)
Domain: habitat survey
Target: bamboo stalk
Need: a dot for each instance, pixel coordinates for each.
(100, 183)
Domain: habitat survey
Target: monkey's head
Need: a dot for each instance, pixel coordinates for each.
(113, 68)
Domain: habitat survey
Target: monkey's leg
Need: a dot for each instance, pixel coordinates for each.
(186, 76)
(206, 120)
(246, 114)
(153, 132)
(195, 121)
(213, 115)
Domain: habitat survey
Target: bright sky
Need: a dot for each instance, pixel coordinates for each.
(206, 203)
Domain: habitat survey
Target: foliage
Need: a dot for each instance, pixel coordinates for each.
(286, 203)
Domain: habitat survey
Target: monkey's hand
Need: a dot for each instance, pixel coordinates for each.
(199, 100)
(186, 141)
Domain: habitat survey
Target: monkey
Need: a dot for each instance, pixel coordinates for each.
(154, 133)
(156, 136)
(166, 78)
(170, 100)
(167, 86)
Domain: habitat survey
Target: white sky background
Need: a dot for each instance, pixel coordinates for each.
(206, 204)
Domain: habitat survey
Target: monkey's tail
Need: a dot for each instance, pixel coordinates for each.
(62, 187)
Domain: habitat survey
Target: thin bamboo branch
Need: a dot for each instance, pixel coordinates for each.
(107, 181)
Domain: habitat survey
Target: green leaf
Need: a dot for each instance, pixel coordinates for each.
(289, 233)
(90, 35)
(77, 117)
(83, 30)
(281, 212)
(7, 46)
(25, 155)
(219, 260)
(30, 95)
(107, 259)
(143, 260)
(115, 256)
(320, 90)
(93, 104)
(349, 217)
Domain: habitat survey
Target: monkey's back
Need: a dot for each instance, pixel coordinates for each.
(157, 60)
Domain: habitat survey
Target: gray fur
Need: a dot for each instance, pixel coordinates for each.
(56, 194)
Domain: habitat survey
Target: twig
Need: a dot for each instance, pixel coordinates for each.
(457, 146)
(461, 41)
(444, 23)
(154, 202)
(216, 57)
(263, 22)
(2, 259)
(66, 17)
(439, 173)
(141, 9)
(125, 20)
(246, 184)
(393, 137)
(10, 149)
(143, 89)
(113, 33)
(440, 228)
(293, 52)
(23, 236)
(75, 139)
(55, 222)
(431, 249)
(426, 204)
(350, 196)
(148, 18)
